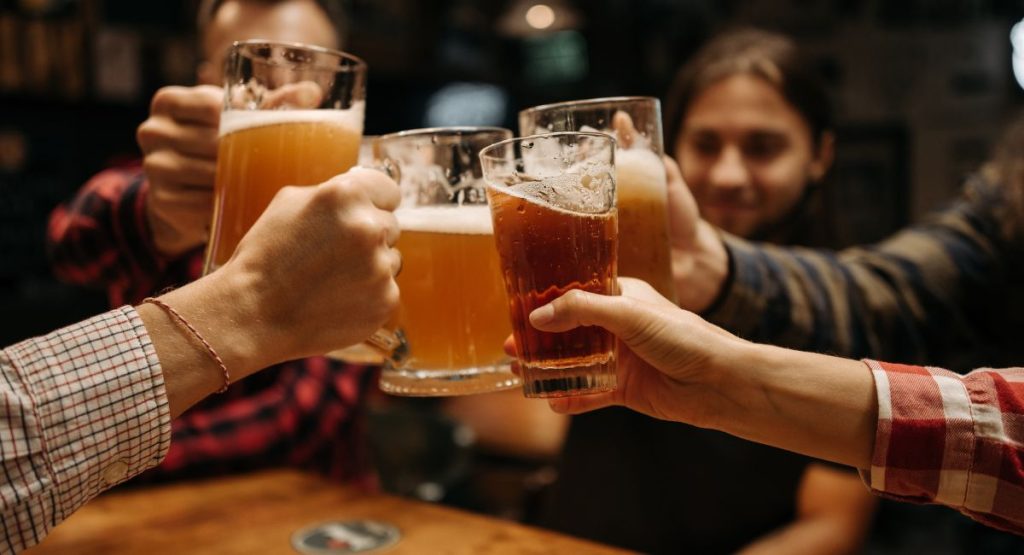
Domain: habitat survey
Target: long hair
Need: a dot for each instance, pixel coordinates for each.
(777, 60)
(769, 56)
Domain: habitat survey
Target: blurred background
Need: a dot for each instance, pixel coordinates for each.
(923, 88)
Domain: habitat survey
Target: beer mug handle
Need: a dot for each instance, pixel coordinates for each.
(389, 342)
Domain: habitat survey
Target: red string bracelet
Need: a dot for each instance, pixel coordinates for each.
(174, 314)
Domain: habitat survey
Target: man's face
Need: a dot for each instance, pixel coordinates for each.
(290, 21)
(747, 154)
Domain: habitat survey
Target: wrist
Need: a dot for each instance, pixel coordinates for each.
(702, 270)
(222, 308)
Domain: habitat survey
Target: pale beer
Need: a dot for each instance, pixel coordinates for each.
(643, 229)
(262, 151)
(453, 311)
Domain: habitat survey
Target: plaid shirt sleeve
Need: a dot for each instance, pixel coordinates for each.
(84, 408)
(909, 298)
(951, 439)
(101, 238)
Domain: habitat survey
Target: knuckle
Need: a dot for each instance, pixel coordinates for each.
(575, 299)
(164, 99)
(154, 163)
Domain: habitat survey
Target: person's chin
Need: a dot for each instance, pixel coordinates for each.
(731, 220)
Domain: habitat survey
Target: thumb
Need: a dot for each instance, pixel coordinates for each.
(625, 131)
(581, 308)
(304, 94)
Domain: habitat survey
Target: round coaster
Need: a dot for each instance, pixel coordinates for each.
(348, 536)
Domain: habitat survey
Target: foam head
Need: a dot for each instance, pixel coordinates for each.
(471, 219)
(232, 121)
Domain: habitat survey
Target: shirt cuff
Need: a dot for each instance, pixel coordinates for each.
(924, 440)
(99, 397)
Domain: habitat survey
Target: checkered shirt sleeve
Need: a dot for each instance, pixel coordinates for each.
(951, 439)
(84, 408)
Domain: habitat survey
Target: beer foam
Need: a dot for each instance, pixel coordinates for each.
(237, 120)
(639, 171)
(569, 193)
(470, 219)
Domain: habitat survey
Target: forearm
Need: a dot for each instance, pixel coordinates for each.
(811, 536)
(219, 310)
(818, 405)
(910, 298)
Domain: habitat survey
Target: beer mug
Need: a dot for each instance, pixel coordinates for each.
(640, 181)
(552, 200)
(293, 115)
(452, 321)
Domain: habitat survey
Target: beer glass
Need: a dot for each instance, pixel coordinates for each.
(640, 180)
(293, 115)
(552, 200)
(452, 319)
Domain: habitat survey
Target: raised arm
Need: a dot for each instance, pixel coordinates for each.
(89, 406)
(125, 225)
(921, 295)
(917, 434)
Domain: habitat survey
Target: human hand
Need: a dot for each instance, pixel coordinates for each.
(700, 263)
(315, 272)
(179, 143)
(667, 356)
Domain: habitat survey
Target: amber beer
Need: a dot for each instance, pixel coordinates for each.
(453, 311)
(642, 202)
(644, 250)
(262, 151)
(545, 252)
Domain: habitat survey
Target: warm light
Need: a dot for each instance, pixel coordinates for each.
(540, 16)
(1017, 58)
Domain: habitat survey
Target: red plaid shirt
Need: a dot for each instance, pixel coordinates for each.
(81, 409)
(303, 413)
(951, 439)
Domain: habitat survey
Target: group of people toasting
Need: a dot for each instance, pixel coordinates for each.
(616, 256)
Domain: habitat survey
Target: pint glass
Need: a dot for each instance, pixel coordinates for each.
(640, 180)
(452, 319)
(552, 201)
(293, 115)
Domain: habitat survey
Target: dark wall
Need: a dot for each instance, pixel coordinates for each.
(922, 88)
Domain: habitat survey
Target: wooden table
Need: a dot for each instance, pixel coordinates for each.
(258, 513)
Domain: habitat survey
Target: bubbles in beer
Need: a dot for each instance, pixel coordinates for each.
(584, 194)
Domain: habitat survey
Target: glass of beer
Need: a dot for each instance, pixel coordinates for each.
(552, 201)
(293, 115)
(452, 321)
(635, 121)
